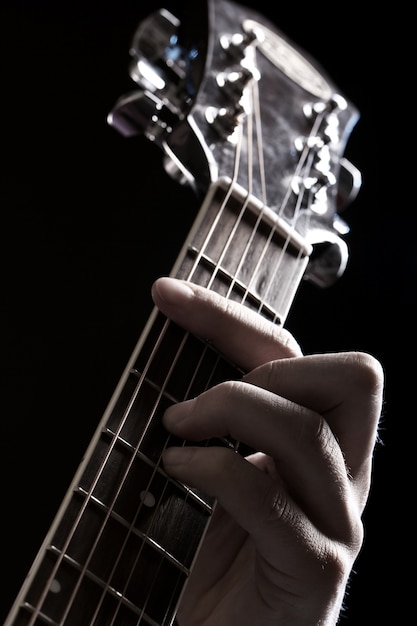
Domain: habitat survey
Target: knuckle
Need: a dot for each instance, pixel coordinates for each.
(323, 436)
(275, 507)
(338, 555)
(226, 391)
(288, 343)
(365, 371)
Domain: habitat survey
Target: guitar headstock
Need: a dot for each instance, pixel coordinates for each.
(224, 93)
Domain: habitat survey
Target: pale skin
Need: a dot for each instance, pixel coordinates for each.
(287, 528)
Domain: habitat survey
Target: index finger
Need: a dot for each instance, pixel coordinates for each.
(239, 333)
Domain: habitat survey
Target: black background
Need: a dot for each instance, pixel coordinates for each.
(89, 220)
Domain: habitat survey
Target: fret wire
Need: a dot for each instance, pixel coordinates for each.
(238, 284)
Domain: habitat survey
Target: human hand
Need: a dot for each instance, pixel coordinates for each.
(287, 528)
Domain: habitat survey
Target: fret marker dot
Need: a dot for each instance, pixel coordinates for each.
(55, 586)
(147, 498)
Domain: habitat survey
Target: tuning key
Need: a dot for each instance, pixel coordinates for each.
(226, 120)
(237, 44)
(142, 112)
(234, 81)
(349, 184)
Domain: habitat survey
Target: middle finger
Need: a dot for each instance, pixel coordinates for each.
(306, 455)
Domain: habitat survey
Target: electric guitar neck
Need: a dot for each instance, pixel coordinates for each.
(258, 130)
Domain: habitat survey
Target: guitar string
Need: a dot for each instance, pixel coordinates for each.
(224, 204)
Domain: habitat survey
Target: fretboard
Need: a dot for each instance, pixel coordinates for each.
(125, 538)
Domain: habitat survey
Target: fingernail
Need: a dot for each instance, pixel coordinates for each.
(171, 290)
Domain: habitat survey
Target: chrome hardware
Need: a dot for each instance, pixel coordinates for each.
(226, 120)
(234, 82)
(196, 116)
(327, 262)
(160, 67)
(336, 102)
(350, 181)
(142, 112)
(317, 183)
(237, 44)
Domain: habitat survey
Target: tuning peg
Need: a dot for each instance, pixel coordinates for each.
(350, 181)
(237, 44)
(327, 262)
(149, 49)
(141, 112)
(234, 81)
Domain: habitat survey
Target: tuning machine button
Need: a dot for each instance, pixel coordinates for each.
(156, 64)
(349, 184)
(327, 262)
(226, 120)
(141, 112)
(237, 44)
(234, 81)
(161, 67)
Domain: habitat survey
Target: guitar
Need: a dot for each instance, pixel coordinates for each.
(258, 130)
